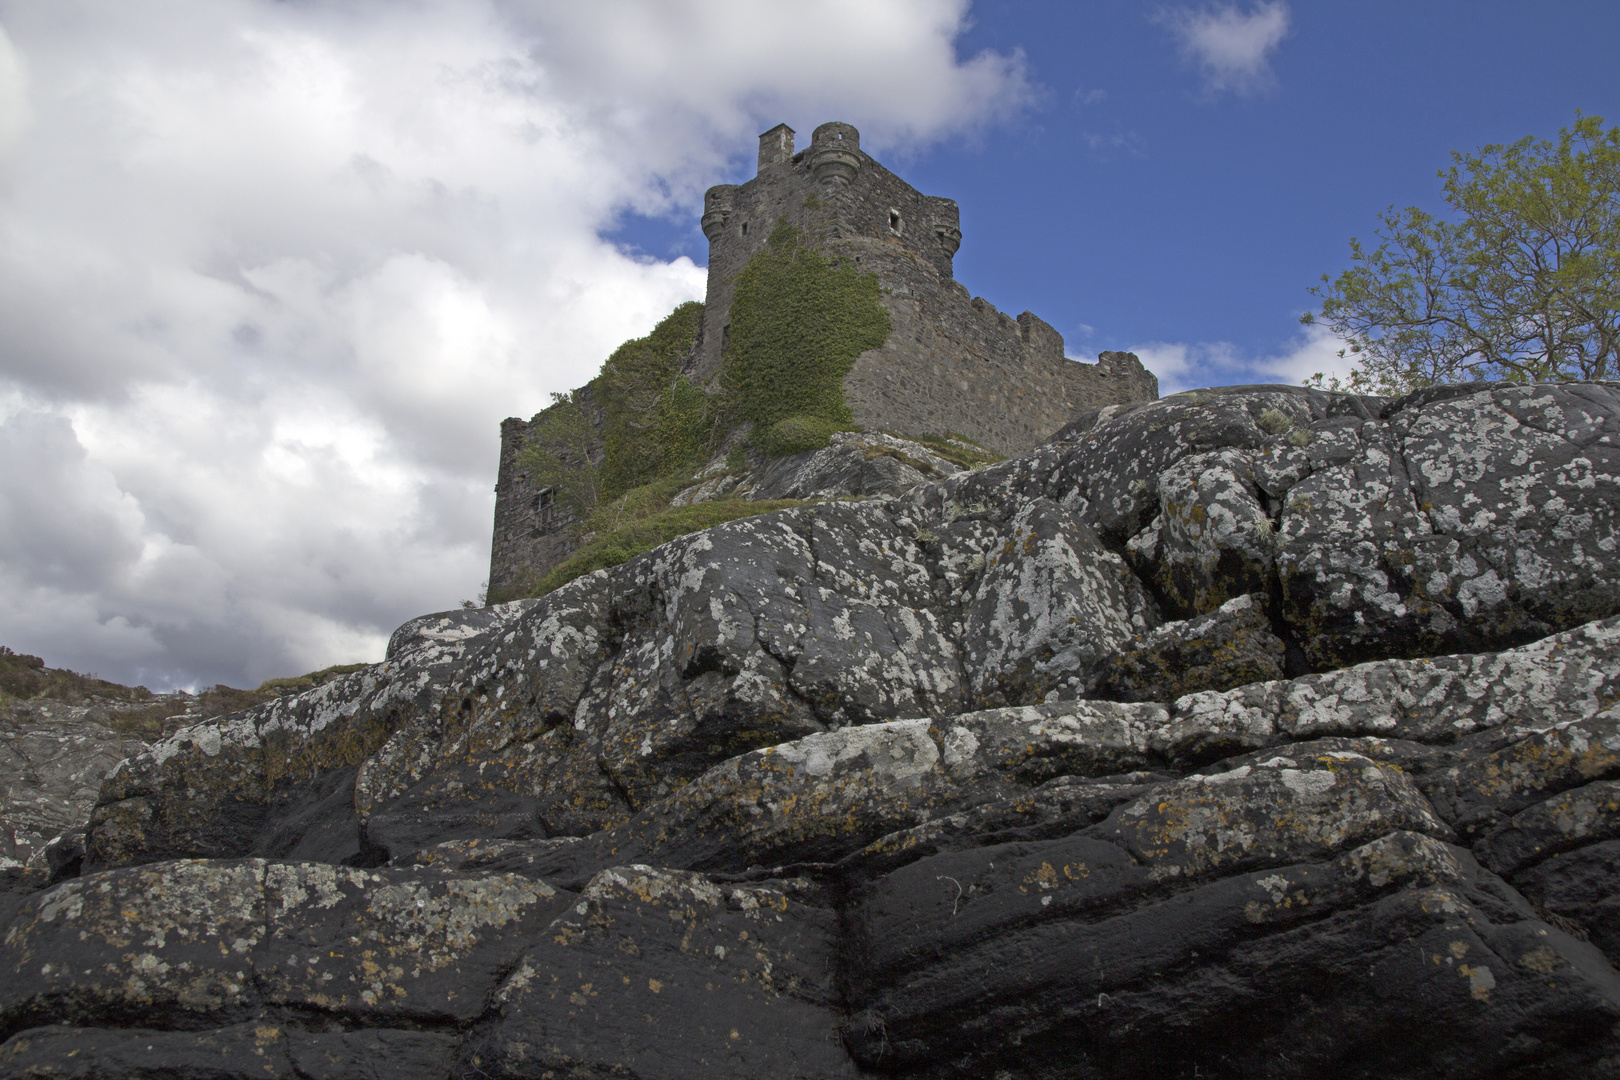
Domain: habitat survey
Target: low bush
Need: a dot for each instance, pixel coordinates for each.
(135, 710)
(797, 434)
(626, 542)
(957, 449)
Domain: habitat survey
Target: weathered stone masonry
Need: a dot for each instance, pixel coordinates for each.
(531, 529)
(952, 363)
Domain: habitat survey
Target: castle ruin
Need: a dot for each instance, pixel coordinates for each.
(952, 362)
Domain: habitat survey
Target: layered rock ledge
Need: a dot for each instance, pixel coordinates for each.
(1251, 732)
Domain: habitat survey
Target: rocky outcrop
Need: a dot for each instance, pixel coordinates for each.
(53, 758)
(1249, 732)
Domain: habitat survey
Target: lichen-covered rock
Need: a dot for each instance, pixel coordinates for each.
(1289, 808)
(1560, 679)
(209, 943)
(393, 943)
(1475, 519)
(1485, 789)
(1573, 819)
(214, 788)
(1212, 539)
(856, 463)
(1052, 605)
(166, 939)
(53, 759)
(938, 777)
(822, 797)
(1002, 586)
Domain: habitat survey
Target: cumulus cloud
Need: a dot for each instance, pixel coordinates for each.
(1192, 366)
(1231, 48)
(271, 274)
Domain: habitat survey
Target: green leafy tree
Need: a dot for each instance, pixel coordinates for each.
(557, 454)
(1521, 282)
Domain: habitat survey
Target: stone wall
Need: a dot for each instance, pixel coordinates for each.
(532, 532)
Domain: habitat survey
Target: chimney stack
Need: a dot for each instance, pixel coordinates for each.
(775, 146)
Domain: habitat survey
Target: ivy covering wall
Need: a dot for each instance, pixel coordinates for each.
(655, 422)
(798, 321)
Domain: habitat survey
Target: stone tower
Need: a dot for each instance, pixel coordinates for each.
(953, 362)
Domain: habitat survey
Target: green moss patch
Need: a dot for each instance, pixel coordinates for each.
(798, 321)
(957, 449)
(797, 434)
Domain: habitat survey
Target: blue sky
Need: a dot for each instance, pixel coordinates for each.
(1137, 200)
(272, 273)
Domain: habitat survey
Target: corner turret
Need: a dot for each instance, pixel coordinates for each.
(835, 153)
(718, 203)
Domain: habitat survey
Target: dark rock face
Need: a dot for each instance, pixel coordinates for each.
(53, 758)
(1230, 646)
(1260, 732)
(745, 974)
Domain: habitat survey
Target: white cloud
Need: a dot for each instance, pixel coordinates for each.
(14, 111)
(1231, 48)
(1191, 366)
(271, 274)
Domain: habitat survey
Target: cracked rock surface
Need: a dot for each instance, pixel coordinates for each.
(1250, 732)
(53, 758)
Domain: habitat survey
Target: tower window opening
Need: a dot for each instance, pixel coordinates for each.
(745, 228)
(545, 507)
(894, 222)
